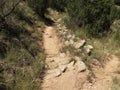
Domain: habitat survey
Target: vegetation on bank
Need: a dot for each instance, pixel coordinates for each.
(21, 56)
(95, 17)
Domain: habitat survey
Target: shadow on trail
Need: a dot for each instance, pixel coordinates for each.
(48, 21)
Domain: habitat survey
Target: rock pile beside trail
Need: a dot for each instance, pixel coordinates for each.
(62, 65)
(70, 56)
(69, 39)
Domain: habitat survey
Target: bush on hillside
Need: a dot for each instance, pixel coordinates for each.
(19, 50)
(59, 5)
(95, 16)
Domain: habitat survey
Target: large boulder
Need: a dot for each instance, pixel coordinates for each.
(81, 66)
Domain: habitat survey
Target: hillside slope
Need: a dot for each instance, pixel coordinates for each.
(70, 78)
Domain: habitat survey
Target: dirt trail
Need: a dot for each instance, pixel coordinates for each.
(51, 42)
(104, 75)
(67, 80)
(112, 65)
(72, 80)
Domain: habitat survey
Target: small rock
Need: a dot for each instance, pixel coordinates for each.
(67, 43)
(81, 66)
(71, 65)
(79, 44)
(79, 50)
(53, 73)
(59, 25)
(68, 53)
(60, 31)
(62, 55)
(71, 41)
(64, 33)
(88, 48)
(90, 84)
(73, 36)
(65, 30)
(62, 68)
(77, 58)
(69, 36)
(88, 51)
(49, 59)
(58, 72)
(64, 27)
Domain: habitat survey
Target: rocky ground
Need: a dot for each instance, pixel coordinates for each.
(65, 68)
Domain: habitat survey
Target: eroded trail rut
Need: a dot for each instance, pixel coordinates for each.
(71, 79)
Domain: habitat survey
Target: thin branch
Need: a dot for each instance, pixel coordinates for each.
(12, 9)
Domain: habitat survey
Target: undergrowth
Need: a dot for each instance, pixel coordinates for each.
(21, 56)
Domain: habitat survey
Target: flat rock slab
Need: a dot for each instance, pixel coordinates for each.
(61, 60)
(53, 73)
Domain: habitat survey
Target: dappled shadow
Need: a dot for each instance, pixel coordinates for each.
(48, 21)
(3, 87)
(117, 2)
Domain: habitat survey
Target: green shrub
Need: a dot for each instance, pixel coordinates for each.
(116, 32)
(19, 50)
(39, 65)
(94, 16)
(59, 5)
